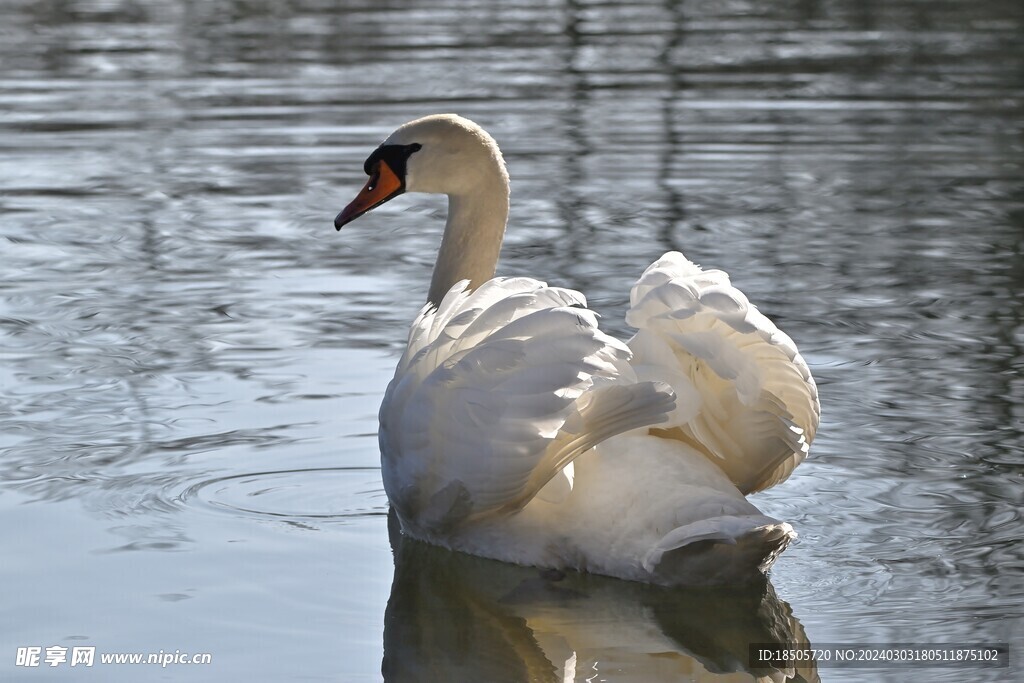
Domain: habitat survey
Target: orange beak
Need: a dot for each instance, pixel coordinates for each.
(382, 186)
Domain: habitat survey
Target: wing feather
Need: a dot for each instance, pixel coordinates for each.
(498, 391)
(745, 396)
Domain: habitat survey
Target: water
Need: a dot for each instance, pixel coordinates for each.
(193, 358)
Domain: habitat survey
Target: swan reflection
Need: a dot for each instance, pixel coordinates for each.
(455, 617)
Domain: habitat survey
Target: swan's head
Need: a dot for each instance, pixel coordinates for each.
(442, 154)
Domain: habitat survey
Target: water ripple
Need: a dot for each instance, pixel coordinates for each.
(305, 495)
(187, 346)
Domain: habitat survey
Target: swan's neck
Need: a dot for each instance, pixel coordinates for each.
(472, 235)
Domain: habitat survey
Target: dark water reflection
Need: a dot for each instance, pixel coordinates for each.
(454, 617)
(192, 358)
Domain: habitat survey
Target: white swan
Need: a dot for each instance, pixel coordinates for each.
(515, 429)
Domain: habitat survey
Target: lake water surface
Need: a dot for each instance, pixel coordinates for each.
(191, 359)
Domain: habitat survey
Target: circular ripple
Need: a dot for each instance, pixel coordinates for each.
(311, 494)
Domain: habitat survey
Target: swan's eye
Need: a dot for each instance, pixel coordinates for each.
(374, 178)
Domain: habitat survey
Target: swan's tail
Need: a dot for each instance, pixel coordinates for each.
(719, 551)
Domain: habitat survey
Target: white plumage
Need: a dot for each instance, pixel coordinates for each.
(745, 395)
(515, 429)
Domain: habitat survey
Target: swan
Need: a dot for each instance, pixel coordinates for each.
(515, 429)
